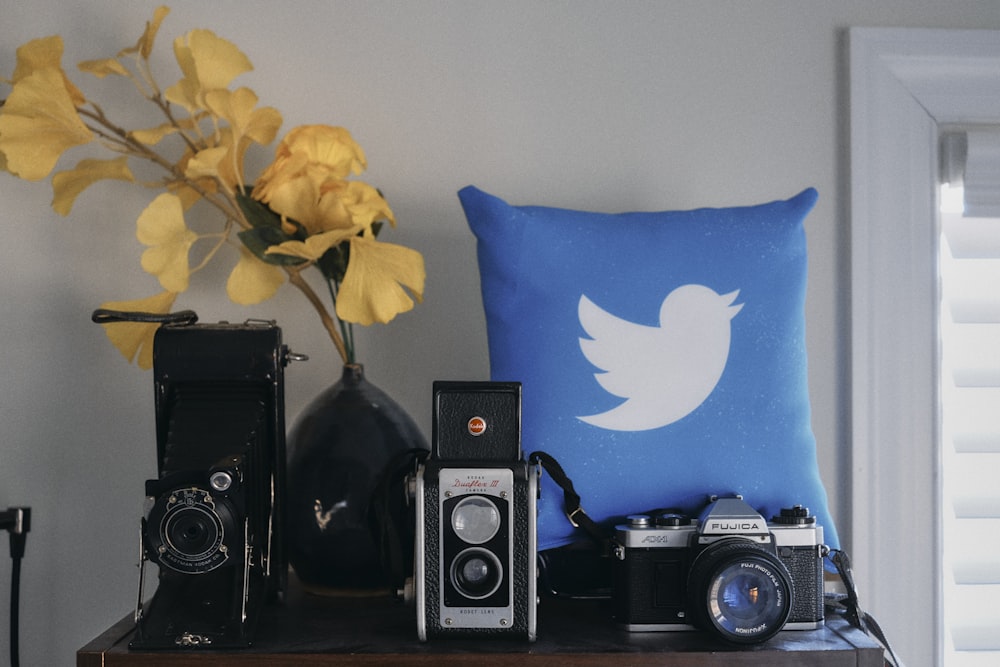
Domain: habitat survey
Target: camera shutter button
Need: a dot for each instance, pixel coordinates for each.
(639, 521)
(794, 516)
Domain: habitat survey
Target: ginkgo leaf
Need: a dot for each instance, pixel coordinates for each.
(38, 123)
(208, 62)
(161, 226)
(66, 185)
(103, 67)
(252, 280)
(134, 339)
(315, 246)
(153, 135)
(45, 53)
(372, 290)
(144, 45)
(205, 163)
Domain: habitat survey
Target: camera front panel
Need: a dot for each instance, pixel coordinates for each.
(477, 552)
(475, 560)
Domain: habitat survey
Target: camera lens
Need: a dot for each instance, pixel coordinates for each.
(192, 532)
(187, 530)
(740, 592)
(476, 573)
(475, 519)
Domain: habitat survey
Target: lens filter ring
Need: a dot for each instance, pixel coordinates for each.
(740, 592)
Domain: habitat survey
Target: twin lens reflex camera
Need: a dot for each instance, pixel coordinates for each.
(475, 501)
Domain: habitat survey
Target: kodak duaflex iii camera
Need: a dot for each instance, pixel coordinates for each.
(729, 572)
(214, 522)
(476, 498)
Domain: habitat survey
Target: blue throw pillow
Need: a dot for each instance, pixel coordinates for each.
(662, 355)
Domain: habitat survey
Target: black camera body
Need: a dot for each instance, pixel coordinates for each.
(214, 516)
(730, 572)
(476, 498)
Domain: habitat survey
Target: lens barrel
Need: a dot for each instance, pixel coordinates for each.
(739, 591)
(476, 573)
(188, 530)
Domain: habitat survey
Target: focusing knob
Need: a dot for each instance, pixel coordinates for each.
(794, 516)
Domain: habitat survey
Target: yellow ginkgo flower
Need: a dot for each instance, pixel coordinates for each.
(304, 211)
(319, 152)
(362, 203)
(161, 226)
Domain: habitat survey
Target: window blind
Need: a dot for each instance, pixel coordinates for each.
(969, 330)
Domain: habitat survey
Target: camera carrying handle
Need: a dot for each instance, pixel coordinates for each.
(107, 316)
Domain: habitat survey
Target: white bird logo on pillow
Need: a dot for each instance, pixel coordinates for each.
(663, 372)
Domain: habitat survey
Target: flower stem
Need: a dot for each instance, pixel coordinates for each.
(346, 328)
(296, 279)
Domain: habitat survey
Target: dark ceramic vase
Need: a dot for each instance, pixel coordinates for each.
(345, 493)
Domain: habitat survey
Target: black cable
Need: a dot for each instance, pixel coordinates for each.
(15, 597)
(17, 521)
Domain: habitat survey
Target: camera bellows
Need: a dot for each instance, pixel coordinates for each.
(207, 424)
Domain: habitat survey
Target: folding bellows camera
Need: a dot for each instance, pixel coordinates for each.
(214, 517)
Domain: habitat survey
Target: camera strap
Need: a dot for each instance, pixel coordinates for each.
(571, 499)
(850, 607)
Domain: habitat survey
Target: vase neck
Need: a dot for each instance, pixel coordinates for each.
(353, 373)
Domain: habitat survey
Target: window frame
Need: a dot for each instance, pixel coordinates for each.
(904, 85)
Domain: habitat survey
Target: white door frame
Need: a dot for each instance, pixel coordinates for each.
(904, 84)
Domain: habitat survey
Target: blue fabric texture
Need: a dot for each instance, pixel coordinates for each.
(661, 355)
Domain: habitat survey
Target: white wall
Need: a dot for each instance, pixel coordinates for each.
(603, 105)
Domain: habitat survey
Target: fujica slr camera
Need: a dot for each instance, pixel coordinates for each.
(214, 518)
(475, 498)
(729, 572)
